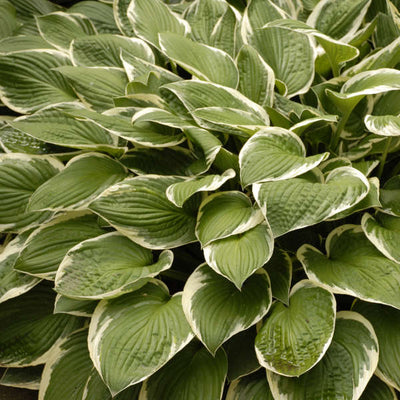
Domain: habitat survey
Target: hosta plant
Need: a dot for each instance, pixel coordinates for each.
(200, 200)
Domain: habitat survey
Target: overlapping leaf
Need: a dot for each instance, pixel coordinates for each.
(148, 327)
(217, 310)
(343, 188)
(294, 338)
(353, 266)
(107, 266)
(138, 208)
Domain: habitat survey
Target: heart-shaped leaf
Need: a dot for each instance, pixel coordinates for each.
(202, 61)
(352, 355)
(386, 323)
(193, 367)
(147, 326)
(45, 248)
(353, 266)
(238, 256)
(294, 338)
(122, 266)
(139, 209)
(384, 233)
(217, 310)
(275, 154)
(290, 54)
(81, 181)
(343, 188)
(225, 214)
(179, 192)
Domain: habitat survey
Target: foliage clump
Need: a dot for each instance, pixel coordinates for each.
(199, 200)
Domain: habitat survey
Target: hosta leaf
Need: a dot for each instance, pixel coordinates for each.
(105, 50)
(279, 268)
(239, 256)
(217, 310)
(96, 86)
(54, 126)
(80, 308)
(250, 387)
(167, 161)
(20, 176)
(384, 233)
(198, 94)
(179, 192)
(192, 374)
(8, 20)
(275, 154)
(151, 17)
(225, 214)
(30, 82)
(67, 369)
(383, 125)
(337, 18)
(99, 13)
(294, 337)
(22, 43)
(378, 390)
(81, 181)
(32, 329)
(343, 188)
(202, 61)
(387, 57)
(386, 323)
(343, 372)
(147, 327)
(229, 120)
(47, 246)
(13, 283)
(242, 359)
(226, 35)
(369, 201)
(290, 54)
(353, 266)
(203, 16)
(120, 8)
(121, 266)
(60, 28)
(121, 126)
(256, 77)
(365, 83)
(139, 209)
(257, 14)
(336, 52)
(26, 378)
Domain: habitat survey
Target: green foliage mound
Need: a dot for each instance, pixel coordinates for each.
(200, 200)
